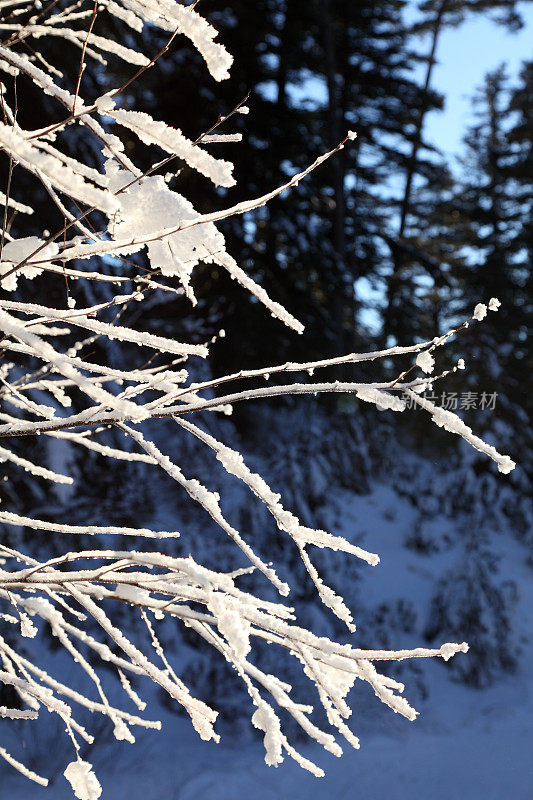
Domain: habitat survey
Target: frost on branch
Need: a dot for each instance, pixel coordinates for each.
(83, 780)
(48, 388)
(425, 361)
(17, 250)
(149, 205)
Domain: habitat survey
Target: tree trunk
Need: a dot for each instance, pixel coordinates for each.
(398, 255)
(335, 134)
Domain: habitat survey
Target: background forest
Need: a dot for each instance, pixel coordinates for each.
(390, 242)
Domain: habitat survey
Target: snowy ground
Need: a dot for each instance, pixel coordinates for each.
(466, 745)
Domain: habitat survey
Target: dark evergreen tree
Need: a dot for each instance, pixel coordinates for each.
(471, 602)
(494, 202)
(315, 70)
(414, 269)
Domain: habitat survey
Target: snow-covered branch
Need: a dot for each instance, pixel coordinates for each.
(48, 388)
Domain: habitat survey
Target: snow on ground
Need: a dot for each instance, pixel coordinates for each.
(467, 744)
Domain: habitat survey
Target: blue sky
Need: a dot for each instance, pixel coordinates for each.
(465, 55)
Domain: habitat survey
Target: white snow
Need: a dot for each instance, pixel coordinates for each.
(425, 361)
(83, 780)
(468, 744)
(172, 140)
(63, 591)
(480, 311)
(18, 250)
(104, 104)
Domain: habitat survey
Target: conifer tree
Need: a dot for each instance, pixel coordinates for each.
(494, 200)
(408, 265)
